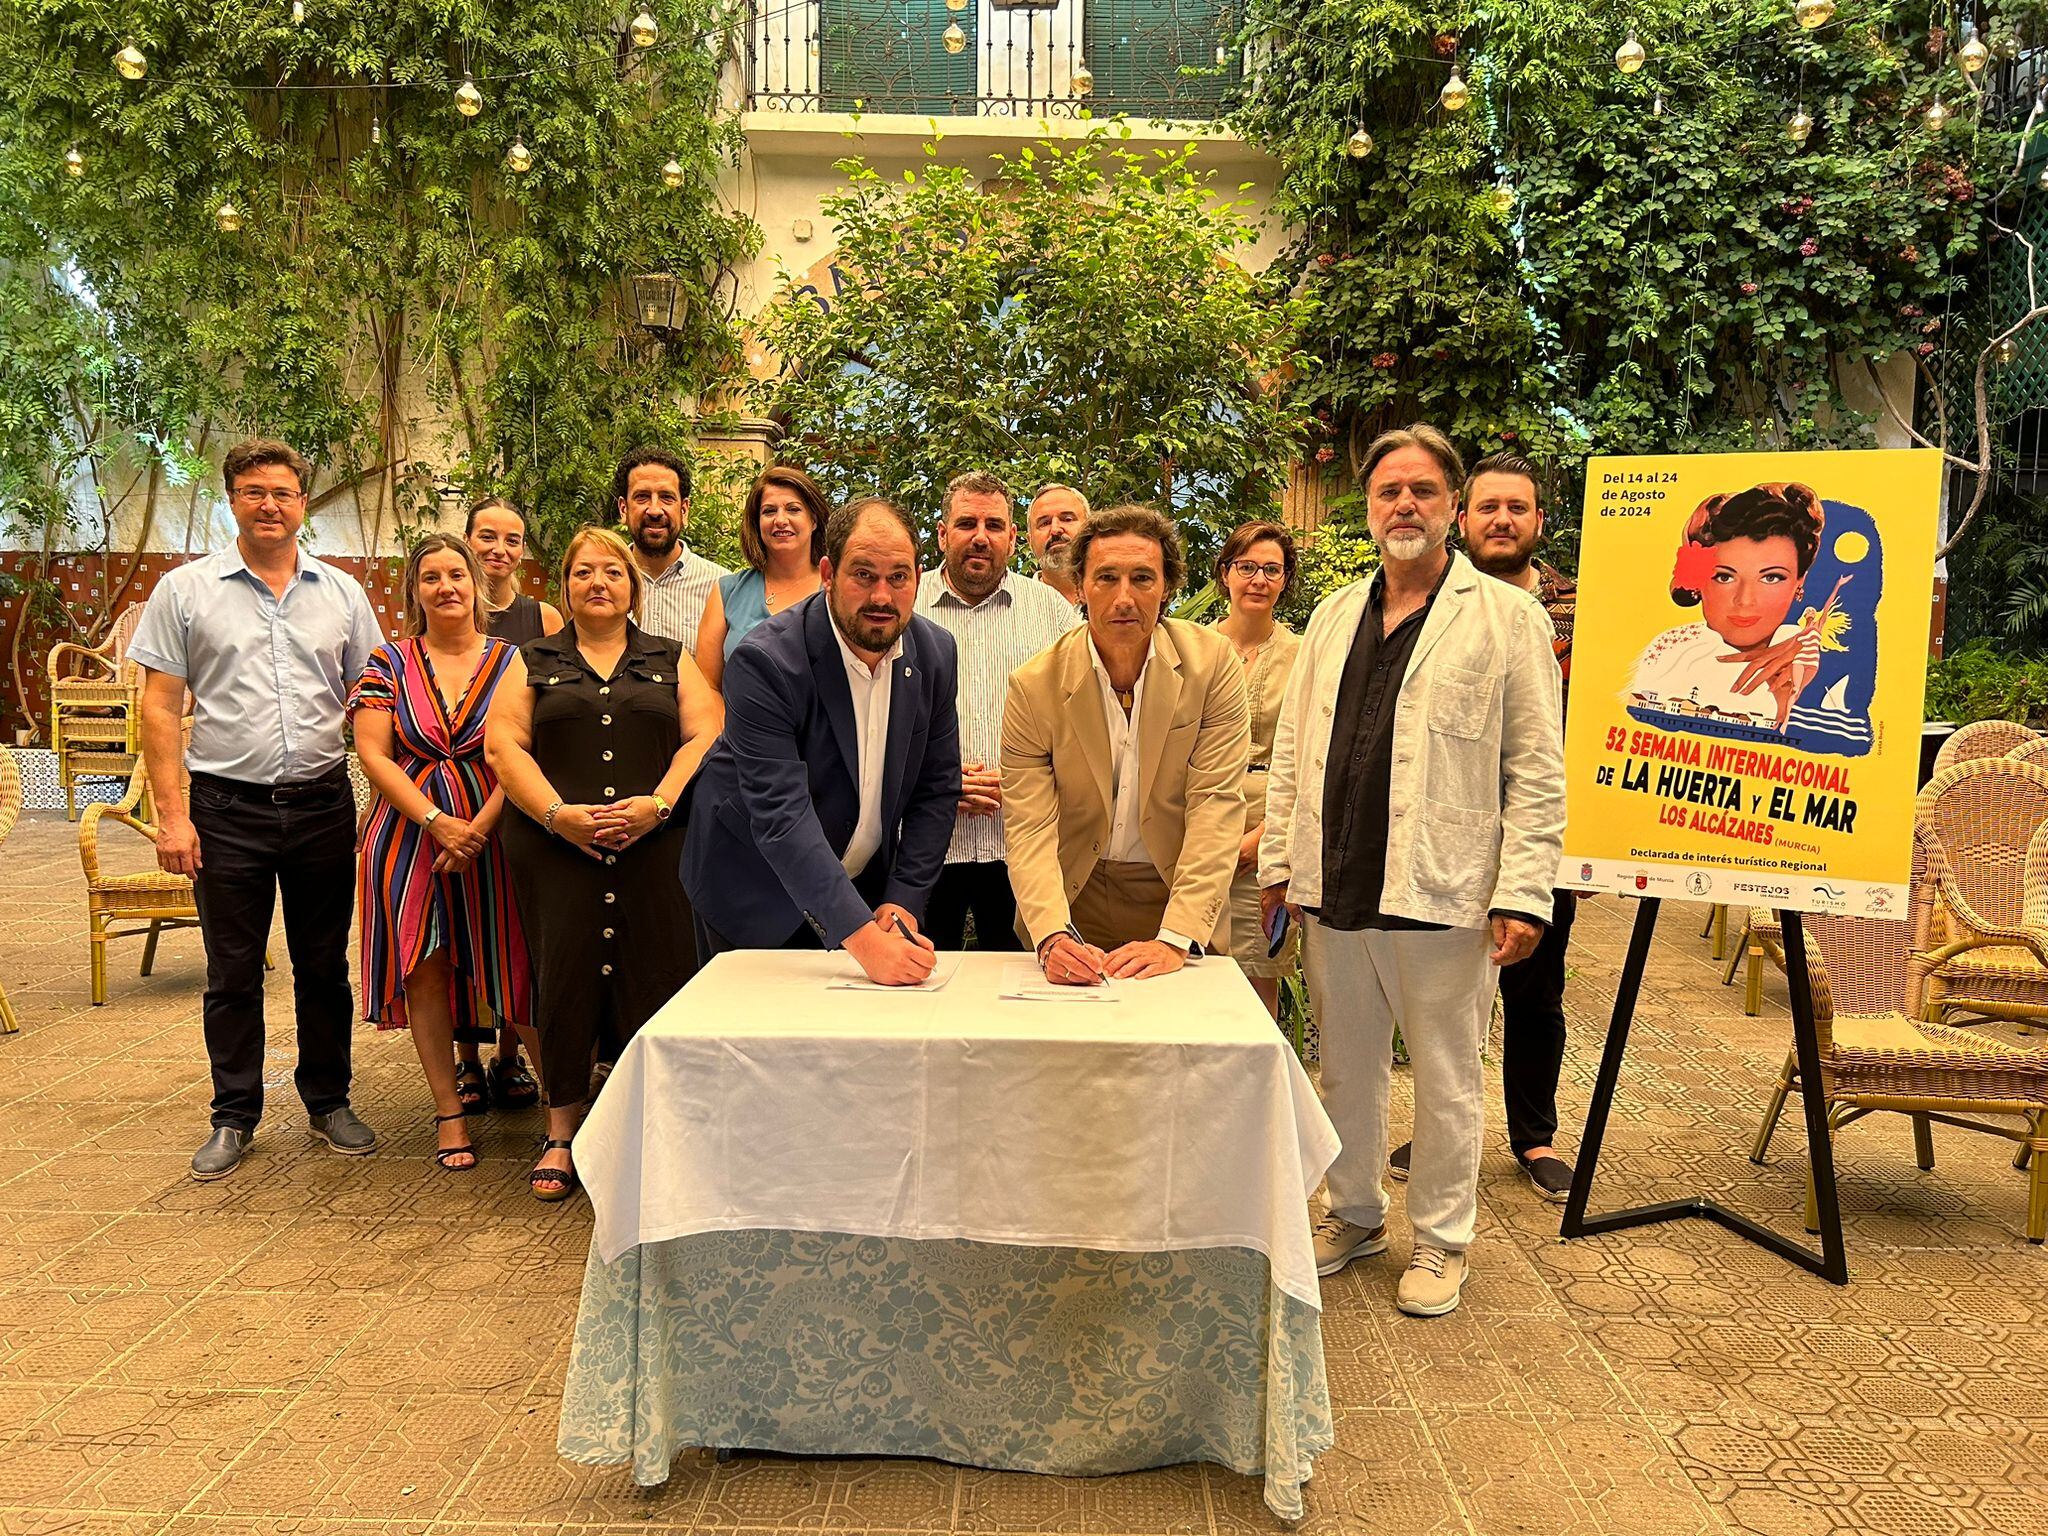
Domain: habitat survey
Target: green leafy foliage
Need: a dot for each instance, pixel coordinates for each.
(408, 311)
(1984, 681)
(1078, 320)
(1586, 261)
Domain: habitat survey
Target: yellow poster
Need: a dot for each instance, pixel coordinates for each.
(1748, 670)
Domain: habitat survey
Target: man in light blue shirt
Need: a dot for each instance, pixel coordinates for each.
(998, 620)
(268, 641)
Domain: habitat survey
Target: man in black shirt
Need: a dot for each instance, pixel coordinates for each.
(1414, 820)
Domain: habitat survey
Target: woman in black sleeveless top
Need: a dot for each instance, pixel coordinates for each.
(497, 532)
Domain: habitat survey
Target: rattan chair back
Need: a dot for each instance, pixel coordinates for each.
(1984, 814)
(1981, 738)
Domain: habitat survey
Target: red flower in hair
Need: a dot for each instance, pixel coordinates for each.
(1693, 568)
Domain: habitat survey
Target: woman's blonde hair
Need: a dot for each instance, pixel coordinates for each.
(610, 541)
(433, 544)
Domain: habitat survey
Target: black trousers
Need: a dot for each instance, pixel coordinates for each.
(982, 889)
(253, 844)
(1532, 1031)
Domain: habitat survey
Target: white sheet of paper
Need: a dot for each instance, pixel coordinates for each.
(942, 973)
(1024, 982)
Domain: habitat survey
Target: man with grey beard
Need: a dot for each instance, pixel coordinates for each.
(1414, 817)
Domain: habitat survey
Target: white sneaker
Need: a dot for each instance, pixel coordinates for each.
(1338, 1242)
(1431, 1285)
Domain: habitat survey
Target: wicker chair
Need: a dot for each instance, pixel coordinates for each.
(152, 898)
(2032, 751)
(10, 812)
(1875, 1054)
(1981, 738)
(96, 707)
(1989, 939)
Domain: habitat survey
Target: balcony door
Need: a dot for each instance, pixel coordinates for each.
(1137, 48)
(890, 56)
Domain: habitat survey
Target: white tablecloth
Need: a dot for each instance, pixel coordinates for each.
(1176, 1119)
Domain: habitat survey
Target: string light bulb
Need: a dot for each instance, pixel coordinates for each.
(228, 217)
(672, 175)
(1937, 114)
(954, 39)
(1657, 106)
(1813, 13)
(1222, 57)
(1631, 55)
(1800, 128)
(74, 162)
(956, 5)
(1084, 79)
(643, 30)
(2006, 351)
(2041, 181)
(1973, 55)
(1456, 94)
(1359, 145)
(376, 130)
(518, 158)
(468, 99)
(298, 13)
(1503, 199)
(131, 62)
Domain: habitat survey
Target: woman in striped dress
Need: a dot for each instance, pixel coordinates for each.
(440, 932)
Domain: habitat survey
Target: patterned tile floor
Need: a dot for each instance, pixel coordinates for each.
(321, 1344)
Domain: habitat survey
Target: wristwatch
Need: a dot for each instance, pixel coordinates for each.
(661, 808)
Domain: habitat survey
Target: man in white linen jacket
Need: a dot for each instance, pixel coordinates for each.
(1415, 815)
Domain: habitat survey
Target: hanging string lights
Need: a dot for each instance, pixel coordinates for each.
(469, 101)
(131, 62)
(1456, 95)
(643, 30)
(1359, 145)
(1631, 55)
(1813, 13)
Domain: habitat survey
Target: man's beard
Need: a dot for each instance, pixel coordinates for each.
(871, 634)
(968, 585)
(1407, 544)
(1506, 567)
(650, 540)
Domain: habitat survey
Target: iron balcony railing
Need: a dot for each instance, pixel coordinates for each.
(1170, 59)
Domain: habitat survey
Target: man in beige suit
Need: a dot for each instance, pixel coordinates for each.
(1124, 746)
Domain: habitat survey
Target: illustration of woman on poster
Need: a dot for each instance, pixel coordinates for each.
(1747, 670)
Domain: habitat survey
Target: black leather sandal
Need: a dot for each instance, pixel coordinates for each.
(553, 1184)
(472, 1089)
(442, 1154)
(512, 1086)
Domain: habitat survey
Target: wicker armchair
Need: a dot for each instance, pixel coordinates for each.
(1989, 939)
(10, 813)
(1981, 738)
(152, 898)
(2031, 751)
(96, 707)
(1875, 1054)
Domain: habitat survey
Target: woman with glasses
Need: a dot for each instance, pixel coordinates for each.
(1255, 568)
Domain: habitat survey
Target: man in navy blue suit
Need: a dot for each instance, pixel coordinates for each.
(822, 816)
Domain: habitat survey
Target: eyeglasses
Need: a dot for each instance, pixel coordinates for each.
(256, 495)
(1249, 569)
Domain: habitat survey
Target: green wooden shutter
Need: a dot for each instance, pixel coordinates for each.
(1137, 48)
(890, 56)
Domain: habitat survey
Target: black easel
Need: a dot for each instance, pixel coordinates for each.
(1831, 1263)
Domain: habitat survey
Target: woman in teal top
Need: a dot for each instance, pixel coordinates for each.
(782, 534)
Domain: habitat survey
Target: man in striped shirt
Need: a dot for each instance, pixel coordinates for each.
(652, 488)
(998, 620)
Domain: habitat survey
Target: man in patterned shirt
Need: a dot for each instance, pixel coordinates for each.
(1501, 525)
(652, 489)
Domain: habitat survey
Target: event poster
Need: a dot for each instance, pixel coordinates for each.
(1748, 670)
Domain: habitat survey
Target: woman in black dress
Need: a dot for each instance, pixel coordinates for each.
(496, 532)
(594, 732)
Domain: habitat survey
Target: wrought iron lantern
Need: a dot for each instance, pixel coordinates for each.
(659, 303)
